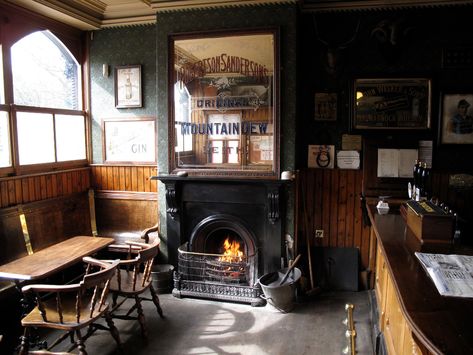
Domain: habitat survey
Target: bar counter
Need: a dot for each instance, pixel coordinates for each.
(438, 324)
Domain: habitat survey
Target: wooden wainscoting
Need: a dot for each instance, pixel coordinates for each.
(22, 189)
(331, 201)
(124, 177)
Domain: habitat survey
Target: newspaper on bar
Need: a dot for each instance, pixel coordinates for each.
(451, 274)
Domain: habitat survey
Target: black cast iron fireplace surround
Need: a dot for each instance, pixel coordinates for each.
(249, 208)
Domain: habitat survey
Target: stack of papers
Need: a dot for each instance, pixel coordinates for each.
(451, 274)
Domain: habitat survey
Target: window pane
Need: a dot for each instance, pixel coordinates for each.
(2, 82)
(217, 152)
(5, 152)
(182, 117)
(45, 74)
(35, 137)
(70, 137)
(233, 151)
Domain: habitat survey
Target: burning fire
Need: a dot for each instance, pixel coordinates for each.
(232, 251)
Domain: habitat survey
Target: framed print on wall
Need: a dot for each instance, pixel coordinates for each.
(129, 140)
(391, 103)
(128, 86)
(325, 106)
(456, 121)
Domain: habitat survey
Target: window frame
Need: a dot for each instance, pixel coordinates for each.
(33, 168)
(21, 24)
(8, 170)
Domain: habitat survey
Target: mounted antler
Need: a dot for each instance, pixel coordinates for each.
(333, 50)
(391, 36)
(391, 31)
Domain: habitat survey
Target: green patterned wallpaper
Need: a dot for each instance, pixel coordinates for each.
(116, 47)
(148, 46)
(284, 17)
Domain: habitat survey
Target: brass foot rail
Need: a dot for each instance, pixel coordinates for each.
(350, 332)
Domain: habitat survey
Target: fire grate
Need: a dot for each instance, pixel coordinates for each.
(214, 276)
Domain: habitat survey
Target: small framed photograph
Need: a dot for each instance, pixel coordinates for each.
(128, 86)
(325, 106)
(129, 140)
(456, 121)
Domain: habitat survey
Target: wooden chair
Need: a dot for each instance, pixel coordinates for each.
(73, 308)
(133, 278)
(145, 237)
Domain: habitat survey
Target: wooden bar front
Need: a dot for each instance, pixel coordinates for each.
(413, 316)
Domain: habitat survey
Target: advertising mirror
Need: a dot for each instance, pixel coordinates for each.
(224, 104)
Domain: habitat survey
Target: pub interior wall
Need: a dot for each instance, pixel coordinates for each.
(422, 36)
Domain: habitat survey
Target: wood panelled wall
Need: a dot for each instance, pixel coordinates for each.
(124, 177)
(330, 200)
(22, 189)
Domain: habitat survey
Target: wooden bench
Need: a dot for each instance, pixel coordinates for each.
(27, 228)
(125, 215)
(31, 227)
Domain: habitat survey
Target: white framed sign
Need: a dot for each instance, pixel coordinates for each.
(131, 140)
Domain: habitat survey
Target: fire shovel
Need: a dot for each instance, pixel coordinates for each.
(289, 269)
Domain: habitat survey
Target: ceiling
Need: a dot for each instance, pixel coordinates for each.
(96, 14)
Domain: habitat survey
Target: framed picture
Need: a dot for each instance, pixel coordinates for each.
(456, 121)
(129, 140)
(391, 103)
(224, 103)
(325, 106)
(128, 86)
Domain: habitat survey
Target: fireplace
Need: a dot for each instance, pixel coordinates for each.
(223, 234)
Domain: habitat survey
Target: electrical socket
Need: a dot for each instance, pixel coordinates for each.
(319, 233)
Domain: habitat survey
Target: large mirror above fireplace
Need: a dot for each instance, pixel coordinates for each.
(224, 103)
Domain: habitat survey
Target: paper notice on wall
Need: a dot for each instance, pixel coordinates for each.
(348, 159)
(407, 159)
(351, 142)
(388, 162)
(396, 162)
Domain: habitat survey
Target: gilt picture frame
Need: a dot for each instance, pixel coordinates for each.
(391, 104)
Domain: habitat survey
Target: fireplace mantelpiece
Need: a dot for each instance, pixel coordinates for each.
(255, 202)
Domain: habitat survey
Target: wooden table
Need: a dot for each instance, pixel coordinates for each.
(53, 259)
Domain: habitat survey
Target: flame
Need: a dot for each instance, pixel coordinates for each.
(232, 251)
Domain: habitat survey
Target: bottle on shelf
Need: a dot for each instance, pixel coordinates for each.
(425, 181)
(412, 189)
(418, 181)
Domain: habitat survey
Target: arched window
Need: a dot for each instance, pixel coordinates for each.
(46, 108)
(45, 74)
